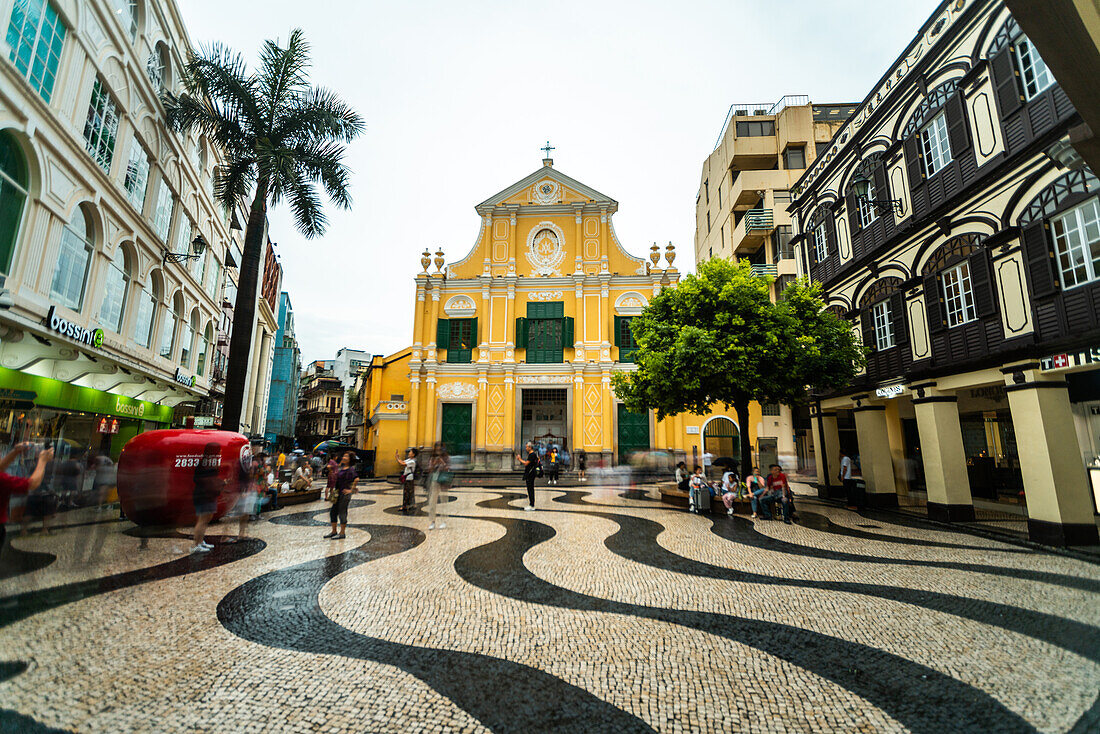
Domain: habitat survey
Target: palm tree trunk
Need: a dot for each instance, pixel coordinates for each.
(244, 311)
(741, 407)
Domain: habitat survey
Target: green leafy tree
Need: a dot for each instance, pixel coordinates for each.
(279, 137)
(718, 338)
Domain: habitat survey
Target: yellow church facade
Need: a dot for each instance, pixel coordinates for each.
(518, 340)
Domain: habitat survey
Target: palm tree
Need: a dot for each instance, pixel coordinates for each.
(278, 136)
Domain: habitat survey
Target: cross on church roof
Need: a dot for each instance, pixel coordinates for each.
(547, 148)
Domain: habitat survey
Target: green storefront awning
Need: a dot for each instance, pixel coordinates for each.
(46, 392)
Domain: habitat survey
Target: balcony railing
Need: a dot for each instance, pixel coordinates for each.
(744, 109)
(758, 219)
(765, 271)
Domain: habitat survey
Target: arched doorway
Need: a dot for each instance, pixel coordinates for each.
(721, 438)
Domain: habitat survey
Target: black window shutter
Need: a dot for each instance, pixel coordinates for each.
(882, 187)
(913, 164)
(830, 232)
(1002, 69)
(521, 333)
(853, 211)
(1040, 260)
(897, 319)
(442, 334)
(868, 319)
(957, 133)
(981, 284)
(933, 299)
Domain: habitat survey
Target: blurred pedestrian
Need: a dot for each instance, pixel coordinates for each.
(344, 487)
(582, 464)
(17, 486)
(683, 476)
(439, 467)
(553, 463)
(408, 479)
(208, 487)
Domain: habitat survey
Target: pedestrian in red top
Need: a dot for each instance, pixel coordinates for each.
(10, 485)
(778, 491)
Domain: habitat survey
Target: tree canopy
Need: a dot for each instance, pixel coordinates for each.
(717, 338)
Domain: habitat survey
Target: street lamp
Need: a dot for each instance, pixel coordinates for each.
(862, 188)
(198, 247)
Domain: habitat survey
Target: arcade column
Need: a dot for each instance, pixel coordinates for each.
(414, 411)
(826, 453)
(941, 445)
(874, 455)
(608, 439)
(1059, 505)
(428, 433)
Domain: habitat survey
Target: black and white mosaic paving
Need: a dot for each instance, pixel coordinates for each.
(602, 611)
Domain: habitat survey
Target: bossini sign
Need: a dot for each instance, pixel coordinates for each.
(184, 379)
(91, 337)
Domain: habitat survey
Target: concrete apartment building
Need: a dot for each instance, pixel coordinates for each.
(320, 404)
(347, 366)
(741, 213)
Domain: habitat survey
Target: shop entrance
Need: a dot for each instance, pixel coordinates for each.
(456, 427)
(633, 432)
(544, 417)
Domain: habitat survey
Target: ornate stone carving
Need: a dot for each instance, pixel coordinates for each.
(544, 379)
(544, 296)
(670, 253)
(546, 248)
(426, 259)
(546, 191)
(460, 306)
(457, 390)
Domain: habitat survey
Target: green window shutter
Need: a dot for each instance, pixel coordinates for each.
(473, 332)
(521, 333)
(442, 334)
(618, 331)
(567, 333)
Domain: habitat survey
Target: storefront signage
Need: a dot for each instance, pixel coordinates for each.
(90, 337)
(693, 429)
(50, 393)
(890, 391)
(992, 392)
(184, 379)
(17, 399)
(108, 425)
(1074, 359)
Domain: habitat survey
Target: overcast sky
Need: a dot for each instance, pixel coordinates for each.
(459, 96)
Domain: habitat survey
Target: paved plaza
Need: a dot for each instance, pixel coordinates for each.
(603, 610)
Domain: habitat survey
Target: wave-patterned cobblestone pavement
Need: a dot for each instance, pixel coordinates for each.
(602, 611)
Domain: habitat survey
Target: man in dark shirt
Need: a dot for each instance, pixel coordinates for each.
(530, 471)
(10, 485)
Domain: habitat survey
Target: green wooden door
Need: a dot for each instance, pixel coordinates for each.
(456, 428)
(633, 432)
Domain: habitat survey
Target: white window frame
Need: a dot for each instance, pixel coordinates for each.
(934, 145)
(73, 259)
(1077, 244)
(146, 317)
(958, 295)
(166, 206)
(136, 180)
(155, 68)
(821, 242)
(1034, 74)
(168, 332)
(101, 125)
(112, 309)
(126, 10)
(883, 326)
(867, 211)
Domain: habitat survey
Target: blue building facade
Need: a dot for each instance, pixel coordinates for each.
(282, 407)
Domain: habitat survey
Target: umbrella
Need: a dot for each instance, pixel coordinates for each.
(330, 444)
(725, 461)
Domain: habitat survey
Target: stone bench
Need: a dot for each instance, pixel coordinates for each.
(673, 495)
